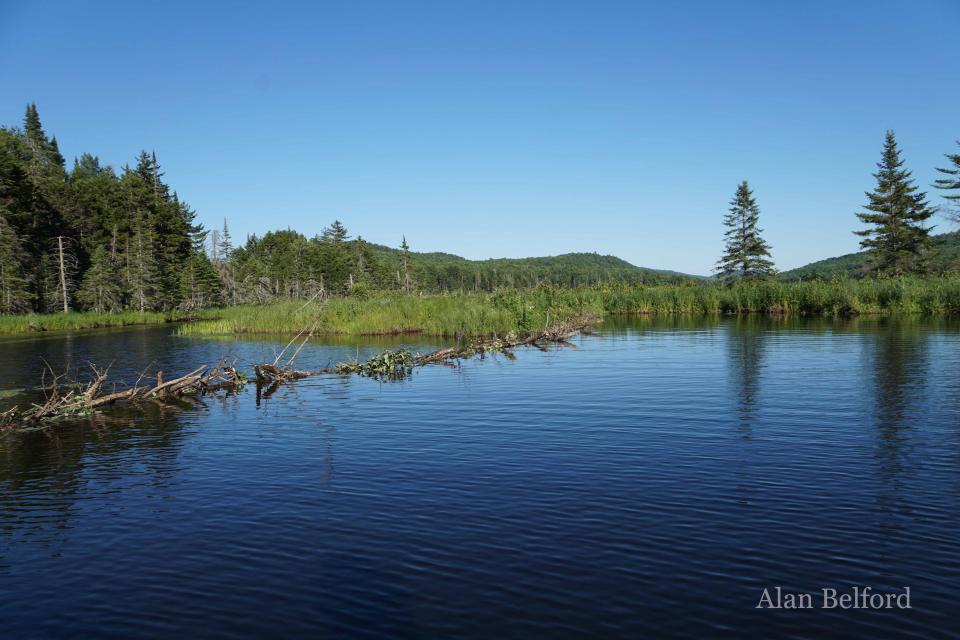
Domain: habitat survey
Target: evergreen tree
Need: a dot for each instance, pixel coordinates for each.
(45, 155)
(223, 261)
(31, 124)
(367, 266)
(898, 241)
(14, 292)
(747, 253)
(141, 267)
(55, 154)
(133, 224)
(174, 241)
(200, 285)
(951, 184)
(224, 243)
(36, 138)
(149, 169)
(335, 233)
(334, 258)
(100, 290)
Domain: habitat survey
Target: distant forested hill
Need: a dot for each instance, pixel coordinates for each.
(444, 271)
(946, 257)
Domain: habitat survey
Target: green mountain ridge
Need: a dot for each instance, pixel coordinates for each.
(946, 257)
(571, 269)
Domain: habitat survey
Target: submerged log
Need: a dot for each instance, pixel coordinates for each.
(79, 400)
(69, 399)
(399, 364)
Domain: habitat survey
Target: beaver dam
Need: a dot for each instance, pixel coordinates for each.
(65, 398)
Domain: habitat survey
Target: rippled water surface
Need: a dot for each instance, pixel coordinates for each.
(649, 483)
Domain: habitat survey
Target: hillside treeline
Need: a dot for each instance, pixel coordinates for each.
(89, 237)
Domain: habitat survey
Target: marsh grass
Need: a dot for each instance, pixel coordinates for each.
(470, 315)
(502, 312)
(33, 323)
(466, 315)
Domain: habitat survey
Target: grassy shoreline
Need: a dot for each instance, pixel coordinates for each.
(503, 312)
(75, 321)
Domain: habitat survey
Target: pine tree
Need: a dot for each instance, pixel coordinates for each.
(335, 233)
(224, 264)
(951, 184)
(335, 257)
(141, 267)
(224, 243)
(100, 290)
(14, 291)
(898, 241)
(200, 285)
(747, 253)
(149, 169)
(45, 154)
(33, 128)
(31, 123)
(174, 241)
(55, 154)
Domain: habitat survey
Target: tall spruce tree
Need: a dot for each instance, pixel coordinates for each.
(141, 267)
(335, 257)
(951, 184)
(199, 282)
(100, 289)
(897, 240)
(224, 243)
(747, 254)
(335, 233)
(14, 291)
(45, 157)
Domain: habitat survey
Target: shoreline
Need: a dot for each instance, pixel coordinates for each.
(484, 314)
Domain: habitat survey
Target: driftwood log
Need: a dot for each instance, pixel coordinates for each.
(64, 400)
(70, 399)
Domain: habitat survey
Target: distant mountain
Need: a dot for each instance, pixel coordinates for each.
(946, 247)
(448, 271)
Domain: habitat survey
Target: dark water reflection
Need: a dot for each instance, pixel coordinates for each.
(649, 483)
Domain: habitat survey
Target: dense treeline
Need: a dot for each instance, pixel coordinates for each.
(93, 239)
(89, 238)
(287, 264)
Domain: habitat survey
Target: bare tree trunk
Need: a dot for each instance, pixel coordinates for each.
(140, 273)
(63, 276)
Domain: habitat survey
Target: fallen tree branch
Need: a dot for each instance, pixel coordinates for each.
(80, 400)
(65, 399)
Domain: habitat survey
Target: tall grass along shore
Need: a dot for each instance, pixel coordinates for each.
(519, 311)
(502, 312)
(35, 322)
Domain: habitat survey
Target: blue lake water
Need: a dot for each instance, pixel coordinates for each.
(650, 482)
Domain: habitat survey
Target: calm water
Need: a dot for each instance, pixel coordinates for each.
(649, 483)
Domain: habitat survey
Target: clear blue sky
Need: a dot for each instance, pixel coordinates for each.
(494, 129)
